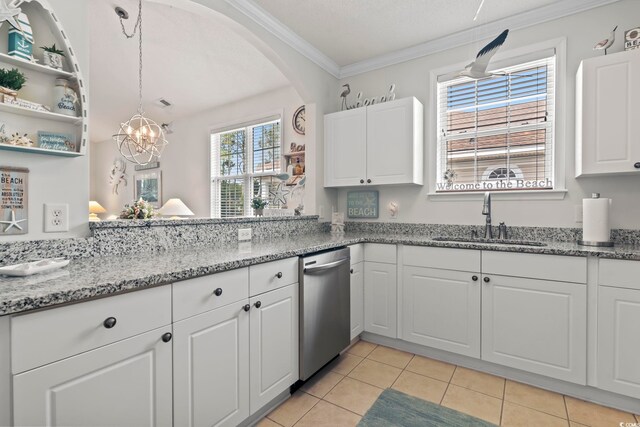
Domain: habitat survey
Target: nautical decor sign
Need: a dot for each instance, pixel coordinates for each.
(13, 200)
(362, 204)
(56, 141)
(632, 39)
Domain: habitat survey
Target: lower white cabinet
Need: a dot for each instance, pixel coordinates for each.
(538, 326)
(380, 298)
(211, 368)
(357, 299)
(273, 344)
(123, 384)
(618, 343)
(441, 309)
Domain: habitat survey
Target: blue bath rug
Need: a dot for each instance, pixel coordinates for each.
(397, 409)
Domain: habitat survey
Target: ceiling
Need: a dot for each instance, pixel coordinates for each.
(194, 62)
(349, 31)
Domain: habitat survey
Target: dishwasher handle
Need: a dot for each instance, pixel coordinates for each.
(325, 266)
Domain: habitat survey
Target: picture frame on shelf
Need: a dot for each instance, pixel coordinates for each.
(148, 186)
(56, 141)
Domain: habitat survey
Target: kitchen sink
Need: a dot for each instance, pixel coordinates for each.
(492, 241)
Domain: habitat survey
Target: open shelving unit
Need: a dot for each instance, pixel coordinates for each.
(40, 84)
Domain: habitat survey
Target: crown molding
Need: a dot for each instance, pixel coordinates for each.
(263, 18)
(523, 20)
(526, 19)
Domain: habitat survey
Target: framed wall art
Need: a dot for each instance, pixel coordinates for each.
(148, 187)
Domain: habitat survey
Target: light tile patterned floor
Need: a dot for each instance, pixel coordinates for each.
(346, 389)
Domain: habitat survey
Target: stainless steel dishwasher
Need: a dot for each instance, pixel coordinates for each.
(325, 304)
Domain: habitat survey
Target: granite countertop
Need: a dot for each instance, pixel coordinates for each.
(91, 277)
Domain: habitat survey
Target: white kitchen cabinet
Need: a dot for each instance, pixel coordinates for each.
(357, 299)
(441, 309)
(211, 367)
(618, 344)
(538, 326)
(376, 145)
(273, 337)
(380, 298)
(127, 383)
(345, 136)
(607, 125)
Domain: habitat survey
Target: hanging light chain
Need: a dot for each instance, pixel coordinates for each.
(137, 28)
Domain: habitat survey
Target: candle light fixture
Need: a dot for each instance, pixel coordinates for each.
(140, 140)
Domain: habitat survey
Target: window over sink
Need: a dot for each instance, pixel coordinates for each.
(497, 134)
(245, 161)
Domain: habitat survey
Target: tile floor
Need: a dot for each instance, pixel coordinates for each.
(343, 392)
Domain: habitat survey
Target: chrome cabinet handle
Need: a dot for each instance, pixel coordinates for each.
(326, 266)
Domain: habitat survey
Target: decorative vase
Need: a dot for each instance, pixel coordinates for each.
(53, 60)
(65, 99)
(259, 212)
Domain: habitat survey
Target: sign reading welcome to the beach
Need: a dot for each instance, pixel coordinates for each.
(362, 204)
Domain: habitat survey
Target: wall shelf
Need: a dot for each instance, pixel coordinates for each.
(14, 109)
(37, 150)
(35, 67)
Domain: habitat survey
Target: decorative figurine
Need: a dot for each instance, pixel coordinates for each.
(344, 95)
(478, 69)
(606, 43)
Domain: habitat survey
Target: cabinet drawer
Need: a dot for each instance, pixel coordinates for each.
(379, 252)
(356, 253)
(536, 266)
(195, 296)
(272, 275)
(49, 335)
(443, 258)
(619, 273)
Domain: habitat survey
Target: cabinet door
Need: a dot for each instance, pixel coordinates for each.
(608, 129)
(345, 148)
(273, 344)
(394, 142)
(442, 309)
(618, 343)
(538, 326)
(211, 368)
(380, 299)
(357, 299)
(123, 384)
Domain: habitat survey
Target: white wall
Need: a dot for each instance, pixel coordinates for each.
(185, 162)
(58, 179)
(412, 78)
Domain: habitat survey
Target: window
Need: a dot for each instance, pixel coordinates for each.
(497, 134)
(244, 165)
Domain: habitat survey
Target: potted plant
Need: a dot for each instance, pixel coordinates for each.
(11, 81)
(258, 204)
(52, 56)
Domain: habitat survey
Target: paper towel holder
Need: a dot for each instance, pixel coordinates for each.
(598, 244)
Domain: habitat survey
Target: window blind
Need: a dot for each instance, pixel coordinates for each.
(496, 134)
(244, 162)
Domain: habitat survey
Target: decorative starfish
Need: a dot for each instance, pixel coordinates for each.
(9, 10)
(279, 194)
(13, 222)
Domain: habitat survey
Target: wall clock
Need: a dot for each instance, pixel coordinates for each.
(298, 121)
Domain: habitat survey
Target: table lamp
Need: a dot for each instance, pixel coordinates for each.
(175, 208)
(94, 209)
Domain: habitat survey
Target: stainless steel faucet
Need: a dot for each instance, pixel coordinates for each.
(486, 210)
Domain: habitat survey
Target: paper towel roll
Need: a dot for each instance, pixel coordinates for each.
(595, 220)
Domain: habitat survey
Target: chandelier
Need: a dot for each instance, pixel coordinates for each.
(140, 140)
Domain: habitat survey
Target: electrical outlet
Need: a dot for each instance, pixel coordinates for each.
(56, 217)
(578, 213)
(244, 234)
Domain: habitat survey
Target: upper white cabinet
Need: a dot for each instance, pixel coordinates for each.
(375, 145)
(607, 125)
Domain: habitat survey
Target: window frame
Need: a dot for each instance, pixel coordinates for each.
(248, 176)
(501, 60)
